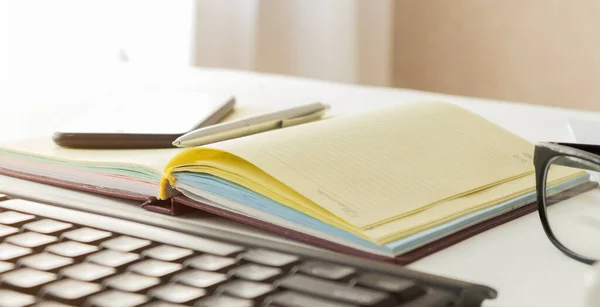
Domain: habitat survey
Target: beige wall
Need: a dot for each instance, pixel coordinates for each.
(539, 51)
(339, 40)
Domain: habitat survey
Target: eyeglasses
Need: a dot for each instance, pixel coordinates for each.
(573, 226)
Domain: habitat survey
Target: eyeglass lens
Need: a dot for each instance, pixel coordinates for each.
(574, 222)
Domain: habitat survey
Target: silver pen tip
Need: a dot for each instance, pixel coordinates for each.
(176, 143)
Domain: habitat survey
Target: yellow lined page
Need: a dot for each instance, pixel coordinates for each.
(376, 167)
(234, 169)
(454, 208)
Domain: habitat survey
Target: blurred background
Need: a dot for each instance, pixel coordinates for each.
(534, 51)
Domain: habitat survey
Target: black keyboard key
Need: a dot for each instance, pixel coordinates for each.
(270, 258)
(109, 298)
(86, 235)
(6, 231)
(295, 299)
(326, 270)
(131, 282)
(433, 298)
(247, 289)
(49, 227)
(15, 299)
(9, 252)
(256, 272)
(87, 271)
(167, 253)
(176, 293)
(45, 262)
(210, 263)
(155, 268)
(336, 291)
(72, 249)
(5, 267)
(69, 291)
(200, 279)
(113, 259)
(126, 244)
(26, 280)
(224, 301)
(14, 219)
(403, 289)
(30, 239)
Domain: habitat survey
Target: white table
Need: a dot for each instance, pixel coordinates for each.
(516, 258)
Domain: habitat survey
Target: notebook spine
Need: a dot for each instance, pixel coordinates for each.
(168, 206)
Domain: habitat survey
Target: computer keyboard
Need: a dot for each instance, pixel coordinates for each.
(52, 256)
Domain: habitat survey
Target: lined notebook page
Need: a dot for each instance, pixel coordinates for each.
(154, 159)
(375, 167)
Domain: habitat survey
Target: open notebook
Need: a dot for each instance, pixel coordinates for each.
(381, 183)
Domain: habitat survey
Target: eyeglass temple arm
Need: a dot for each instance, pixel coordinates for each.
(594, 149)
(578, 163)
(581, 164)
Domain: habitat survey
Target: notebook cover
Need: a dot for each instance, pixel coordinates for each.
(181, 204)
(174, 205)
(74, 185)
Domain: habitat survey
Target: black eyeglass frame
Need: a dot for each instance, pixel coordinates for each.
(545, 153)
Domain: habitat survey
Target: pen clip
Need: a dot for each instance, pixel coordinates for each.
(302, 119)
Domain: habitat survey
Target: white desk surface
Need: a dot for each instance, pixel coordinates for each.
(516, 258)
